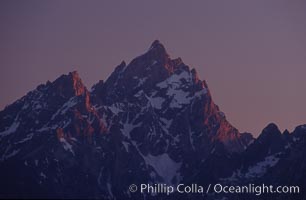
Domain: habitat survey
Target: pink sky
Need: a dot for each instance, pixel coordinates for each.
(252, 53)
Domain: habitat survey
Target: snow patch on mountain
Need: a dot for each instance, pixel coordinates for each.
(166, 122)
(141, 81)
(14, 126)
(9, 155)
(128, 127)
(69, 104)
(176, 86)
(175, 80)
(27, 138)
(156, 102)
(262, 167)
(164, 166)
(255, 171)
(43, 175)
(66, 145)
(126, 145)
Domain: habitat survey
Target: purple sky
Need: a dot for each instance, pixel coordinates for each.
(252, 53)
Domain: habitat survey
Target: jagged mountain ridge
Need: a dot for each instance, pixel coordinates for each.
(274, 158)
(152, 120)
(153, 76)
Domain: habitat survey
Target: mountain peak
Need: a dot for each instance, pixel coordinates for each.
(74, 75)
(271, 127)
(270, 131)
(70, 83)
(157, 50)
(156, 44)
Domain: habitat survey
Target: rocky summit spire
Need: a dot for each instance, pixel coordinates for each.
(157, 52)
(69, 85)
(142, 73)
(270, 129)
(157, 45)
